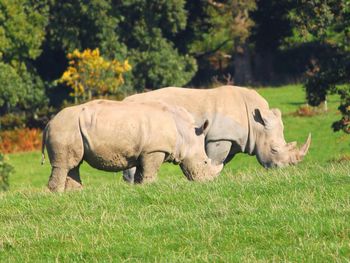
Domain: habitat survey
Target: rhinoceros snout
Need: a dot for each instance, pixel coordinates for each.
(201, 171)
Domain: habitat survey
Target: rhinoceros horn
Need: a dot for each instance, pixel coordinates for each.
(304, 149)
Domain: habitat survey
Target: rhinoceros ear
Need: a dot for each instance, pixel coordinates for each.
(202, 129)
(265, 117)
(277, 112)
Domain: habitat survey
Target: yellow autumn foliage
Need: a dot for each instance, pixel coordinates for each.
(89, 74)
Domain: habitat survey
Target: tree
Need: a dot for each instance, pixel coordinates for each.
(11, 87)
(22, 30)
(148, 29)
(328, 23)
(214, 32)
(218, 25)
(137, 29)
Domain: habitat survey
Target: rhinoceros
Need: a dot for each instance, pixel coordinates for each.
(114, 136)
(240, 120)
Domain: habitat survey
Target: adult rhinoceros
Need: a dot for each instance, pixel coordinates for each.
(240, 120)
(115, 136)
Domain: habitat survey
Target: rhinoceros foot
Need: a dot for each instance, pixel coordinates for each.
(72, 185)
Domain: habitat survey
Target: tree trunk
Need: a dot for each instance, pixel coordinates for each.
(243, 68)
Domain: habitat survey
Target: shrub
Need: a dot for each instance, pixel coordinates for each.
(309, 111)
(12, 121)
(35, 119)
(89, 74)
(20, 140)
(5, 171)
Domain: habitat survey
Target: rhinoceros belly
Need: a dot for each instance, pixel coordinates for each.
(108, 158)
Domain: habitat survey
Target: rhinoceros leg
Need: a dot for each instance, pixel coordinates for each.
(128, 175)
(57, 179)
(73, 181)
(146, 172)
(218, 151)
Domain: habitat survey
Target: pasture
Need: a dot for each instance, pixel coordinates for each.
(298, 213)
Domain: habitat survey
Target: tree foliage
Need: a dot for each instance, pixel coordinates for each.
(11, 87)
(272, 25)
(22, 31)
(147, 28)
(327, 22)
(222, 25)
(77, 24)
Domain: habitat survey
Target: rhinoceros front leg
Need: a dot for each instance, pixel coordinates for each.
(128, 175)
(73, 181)
(149, 165)
(218, 151)
(57, 179)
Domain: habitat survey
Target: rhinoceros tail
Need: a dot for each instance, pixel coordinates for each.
(43, 145)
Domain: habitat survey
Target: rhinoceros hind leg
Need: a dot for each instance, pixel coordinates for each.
(128, 175)
(147, 171)
(73, 181)
(57, 179)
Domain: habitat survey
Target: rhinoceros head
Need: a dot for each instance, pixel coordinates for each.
(196, 165)
(271, 148)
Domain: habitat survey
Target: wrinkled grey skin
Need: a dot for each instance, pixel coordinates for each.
(115, 136)
(240, 121)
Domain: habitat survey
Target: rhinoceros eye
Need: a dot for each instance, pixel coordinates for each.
(274, 150)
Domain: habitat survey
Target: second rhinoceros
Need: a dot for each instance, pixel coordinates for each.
(115, 136)
(240, 120)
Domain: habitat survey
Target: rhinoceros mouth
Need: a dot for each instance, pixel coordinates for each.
(201, 171)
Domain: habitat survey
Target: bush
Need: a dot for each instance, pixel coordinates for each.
(5, 171)
(12, 121)
(34, 119)
(89, 74)
(309, 111)
(20, 140)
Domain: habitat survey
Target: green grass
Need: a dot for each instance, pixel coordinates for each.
(298, 213)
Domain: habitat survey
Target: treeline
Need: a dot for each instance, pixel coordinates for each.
(167, 43)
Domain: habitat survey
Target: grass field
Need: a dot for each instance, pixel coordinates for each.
(298, 213)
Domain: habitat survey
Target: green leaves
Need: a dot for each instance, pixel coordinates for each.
(148, 29)
(326, 23)
(161, 66)
(11, 86)
(22, 29)
(226, 24)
